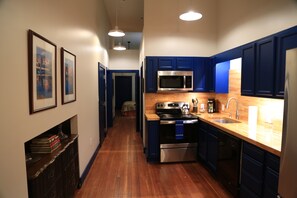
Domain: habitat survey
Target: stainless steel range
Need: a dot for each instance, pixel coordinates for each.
(178, 132)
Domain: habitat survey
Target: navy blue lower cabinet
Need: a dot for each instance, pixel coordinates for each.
(208, 145)
(212, 149)
(153, 146)
(259, 172)
(202, 144)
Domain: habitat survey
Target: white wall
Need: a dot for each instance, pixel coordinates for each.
(78, 26)
(165, 34)
(124, 60)
(240, 22)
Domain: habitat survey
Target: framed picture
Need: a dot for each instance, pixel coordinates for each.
(42, 61)
(68, 72)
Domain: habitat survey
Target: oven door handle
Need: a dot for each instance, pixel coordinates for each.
(173, 121)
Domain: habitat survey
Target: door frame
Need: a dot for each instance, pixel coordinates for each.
(110, 91)
(102, 136)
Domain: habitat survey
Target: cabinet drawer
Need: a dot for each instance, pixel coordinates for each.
(251, 183)
(254, 152)
(254, 168)
(273, 162)
(271, 180)
(246, 193)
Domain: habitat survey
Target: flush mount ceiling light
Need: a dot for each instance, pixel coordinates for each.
(116, 32)
(190, 16)
(119, 47)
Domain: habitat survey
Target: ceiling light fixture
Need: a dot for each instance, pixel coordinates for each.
(119, 47)
(116, 32)
(190, 16)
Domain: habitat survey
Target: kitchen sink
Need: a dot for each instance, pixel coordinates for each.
(225, 120)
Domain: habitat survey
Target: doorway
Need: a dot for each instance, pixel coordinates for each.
(122, 86)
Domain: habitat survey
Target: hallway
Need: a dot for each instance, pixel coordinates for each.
(120, 170)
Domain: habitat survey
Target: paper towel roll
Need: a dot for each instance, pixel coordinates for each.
(253, 116)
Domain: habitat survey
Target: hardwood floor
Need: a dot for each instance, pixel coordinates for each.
(120, 170)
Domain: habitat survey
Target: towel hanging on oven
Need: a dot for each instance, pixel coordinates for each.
(179, 129)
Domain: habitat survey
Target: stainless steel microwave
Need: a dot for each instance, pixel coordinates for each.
(175, 81)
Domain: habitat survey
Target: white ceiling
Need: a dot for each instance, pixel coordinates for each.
(129, 19)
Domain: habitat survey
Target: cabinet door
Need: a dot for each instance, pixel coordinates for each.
(212, 149)
(210, 62)
(248, 70)
(285, 42)
(151, 68)
(265, 67)
(202, 146)
(200, 75)
(222, 77)
(184, 63)
(153, 150)
(166, 63)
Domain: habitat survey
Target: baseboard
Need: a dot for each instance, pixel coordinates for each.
(88, 167)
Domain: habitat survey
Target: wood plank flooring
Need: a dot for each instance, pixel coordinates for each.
(120, 170)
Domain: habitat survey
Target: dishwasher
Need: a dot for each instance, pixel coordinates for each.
(228, 164)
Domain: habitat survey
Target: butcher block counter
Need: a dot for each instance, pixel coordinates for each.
(265, 137)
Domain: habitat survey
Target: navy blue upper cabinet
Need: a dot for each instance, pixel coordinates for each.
(222, 77)
(166, 63)
(265, 67)
(200, 70)
(248, 70)
(184, 63)
(151, 68)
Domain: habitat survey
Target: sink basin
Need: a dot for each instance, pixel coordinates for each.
(225, 120)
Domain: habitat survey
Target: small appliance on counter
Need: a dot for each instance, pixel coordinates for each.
(195, 105)
(211, 105)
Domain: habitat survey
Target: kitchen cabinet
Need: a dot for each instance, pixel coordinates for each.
(222, 77)
(166, 63)
(203, 75)
(153, 144)
(258, 68)
(184, 63)
(208, 145)
(151, 68)
(55, 174)
(285, 41)
(248, 70)
(265, 67)
(212, 148)
(202, 72)
(259, 172)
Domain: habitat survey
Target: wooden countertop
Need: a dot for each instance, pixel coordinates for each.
(152, 117)
(264, 137)
(267, 138)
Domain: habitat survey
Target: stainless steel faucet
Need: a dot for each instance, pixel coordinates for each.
(227, 106)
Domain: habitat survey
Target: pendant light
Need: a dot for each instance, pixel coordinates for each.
(116, 32)
(190, 15)
(119, 46)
